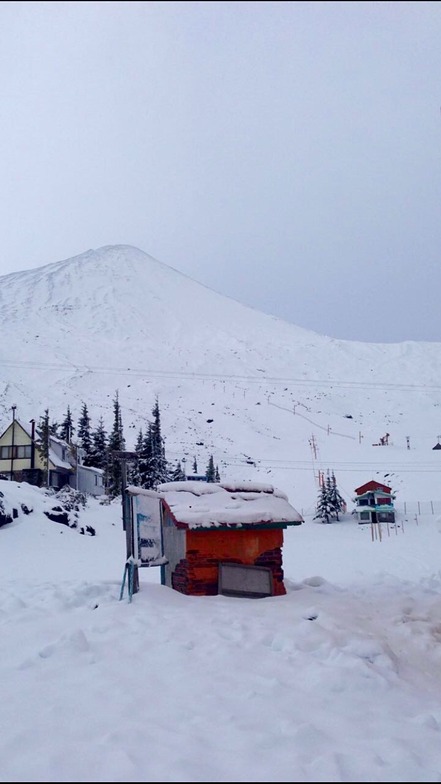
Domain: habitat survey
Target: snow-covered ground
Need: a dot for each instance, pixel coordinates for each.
(338, 680)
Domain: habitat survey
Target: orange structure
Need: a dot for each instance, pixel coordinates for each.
(224, 537)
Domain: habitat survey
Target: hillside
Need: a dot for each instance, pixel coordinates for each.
(270, 400)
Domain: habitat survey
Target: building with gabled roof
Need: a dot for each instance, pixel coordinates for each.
(21, 461)
(217, 537)
(374, 503)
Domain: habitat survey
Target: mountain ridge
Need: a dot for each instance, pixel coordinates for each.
(117, 319)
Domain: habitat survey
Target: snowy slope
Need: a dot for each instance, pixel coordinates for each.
(270, 400)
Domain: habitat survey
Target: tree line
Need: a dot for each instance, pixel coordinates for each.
(99, 448)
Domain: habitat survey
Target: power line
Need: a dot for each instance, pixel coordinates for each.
(343, 466)
(191, 375)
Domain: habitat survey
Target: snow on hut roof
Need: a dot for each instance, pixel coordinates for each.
(210, 504)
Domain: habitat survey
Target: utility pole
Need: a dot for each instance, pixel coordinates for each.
(32, 423)
(48, 442)
(77, 482)
(12, 442)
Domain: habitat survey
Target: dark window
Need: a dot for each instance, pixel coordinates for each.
(24, 451)
(15, 452)
(385, 517)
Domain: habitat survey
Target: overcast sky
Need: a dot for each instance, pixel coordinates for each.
(286, 154)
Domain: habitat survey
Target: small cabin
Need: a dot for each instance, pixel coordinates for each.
(21, 460)
(217, 537)
(374, 503)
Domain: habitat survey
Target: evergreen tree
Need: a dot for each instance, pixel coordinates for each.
(67, 428)
(133, 472)
(145, 460)
(323, 510)
(210, 472)
(159, 463)
(116, 444)
(139, 441)
(336, 501)
(84, 435)
(53, 429)
(178, 474)
(195, 466)
(98, 449)
(153, 467)
(43, 446)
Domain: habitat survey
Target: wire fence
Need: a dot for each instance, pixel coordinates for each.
(418, 507)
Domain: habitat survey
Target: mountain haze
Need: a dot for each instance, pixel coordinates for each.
(117, 319)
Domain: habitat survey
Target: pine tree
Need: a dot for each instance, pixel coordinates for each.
(43, 446)
(177, 475)
(159, 462)
(217, 475)
(139, 441)
(53, 429)
(98, 450)
(323, 511)
(210, 472)
(67, 428)
(336, 501)
(145, 459)
(84, 435)
(116, 444)
(195, 466)
(133, 472)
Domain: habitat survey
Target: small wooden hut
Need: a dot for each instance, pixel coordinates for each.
(224, 537)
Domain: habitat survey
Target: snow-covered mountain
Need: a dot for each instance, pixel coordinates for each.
(271, 401)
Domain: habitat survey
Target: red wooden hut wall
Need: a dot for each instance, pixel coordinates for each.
(198, 572)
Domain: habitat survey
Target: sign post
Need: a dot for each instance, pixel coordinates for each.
(141, 516)
(144, 522)
(131, 565)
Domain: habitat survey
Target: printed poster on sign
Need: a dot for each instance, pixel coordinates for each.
(147, 528)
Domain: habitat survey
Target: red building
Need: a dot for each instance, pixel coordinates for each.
(221, 537)
(374, 503)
